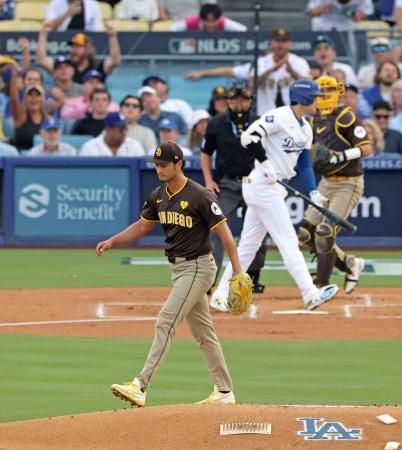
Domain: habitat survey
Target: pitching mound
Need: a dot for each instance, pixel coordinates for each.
(198, 427)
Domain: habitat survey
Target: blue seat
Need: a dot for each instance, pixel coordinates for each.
(75, 140)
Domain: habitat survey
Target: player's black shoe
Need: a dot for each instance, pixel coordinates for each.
(258, 288)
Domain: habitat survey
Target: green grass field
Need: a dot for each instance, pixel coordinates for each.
(81, 268)
(45, 376)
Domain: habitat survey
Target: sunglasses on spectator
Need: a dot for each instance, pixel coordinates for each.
(382, 116)
(131, 105)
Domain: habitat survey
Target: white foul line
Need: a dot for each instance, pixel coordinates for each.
(58, 322)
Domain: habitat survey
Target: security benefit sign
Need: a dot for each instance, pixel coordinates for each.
(70, 201)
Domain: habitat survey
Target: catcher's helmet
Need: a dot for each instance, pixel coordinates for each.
(304, 92)
(332, 90)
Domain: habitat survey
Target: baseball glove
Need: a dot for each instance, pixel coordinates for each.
(239, 299)
(326, 161)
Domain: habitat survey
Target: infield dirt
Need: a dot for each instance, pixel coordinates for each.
(101, 312)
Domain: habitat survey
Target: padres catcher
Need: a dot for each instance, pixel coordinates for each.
(340, 141)
(281, 140)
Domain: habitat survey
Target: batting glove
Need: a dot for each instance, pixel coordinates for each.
(318, 198)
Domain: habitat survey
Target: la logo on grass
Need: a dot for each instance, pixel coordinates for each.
(314, 431)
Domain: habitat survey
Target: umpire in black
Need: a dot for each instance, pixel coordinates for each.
(232, 163)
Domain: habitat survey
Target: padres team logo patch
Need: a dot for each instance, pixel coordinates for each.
(215, 209)
(360, 132)
(158, 151)
(183, 204)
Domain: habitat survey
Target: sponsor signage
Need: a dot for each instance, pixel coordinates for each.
(70, 201)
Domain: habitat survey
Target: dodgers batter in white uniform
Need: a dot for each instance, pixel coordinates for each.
(282, 139)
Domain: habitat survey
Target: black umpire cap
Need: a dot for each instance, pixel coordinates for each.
(167, 153)
(239, 89)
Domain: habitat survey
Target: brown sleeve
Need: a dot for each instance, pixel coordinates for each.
(352, 129)
(210, 210)
(149, 211)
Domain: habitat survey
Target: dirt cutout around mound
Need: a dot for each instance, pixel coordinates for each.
(188, 427)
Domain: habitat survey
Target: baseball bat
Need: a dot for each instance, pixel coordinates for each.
(257, 8)
(326, 212)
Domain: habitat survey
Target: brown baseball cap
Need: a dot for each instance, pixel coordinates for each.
(281, 34)
(219, 92)
(167, 153)
(79, 39)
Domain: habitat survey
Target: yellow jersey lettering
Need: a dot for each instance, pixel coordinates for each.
(175, 218)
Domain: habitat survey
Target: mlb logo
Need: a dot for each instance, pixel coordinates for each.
(326, 431)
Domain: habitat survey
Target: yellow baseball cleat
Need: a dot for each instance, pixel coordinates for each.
(219, 398)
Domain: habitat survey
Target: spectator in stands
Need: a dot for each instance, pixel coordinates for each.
(74, 15)
(375, 136)
(178, 9)
(169, 132)
(387, 73)
(153, 114)
(276, 72)
(7, 150)
(28, 115)
(63, 72)
(82, 54)
(139, 10)
(382, 113)
(210, 19)
(197, 135)
(33, 77)
(50, 131)
(7, 9)
(131, 107)
(176, 105)
(325, 54)
(315, 70)
(396, 122)
(93, 122)
(113, 141)
(398, 13)
(340, 15)
(352, 99)
(77, 107)
(381, 51)
(218, 103)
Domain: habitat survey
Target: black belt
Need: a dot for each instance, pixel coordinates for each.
(172, 259)
(234, 177)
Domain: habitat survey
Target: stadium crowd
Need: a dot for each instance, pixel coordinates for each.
(74, 114)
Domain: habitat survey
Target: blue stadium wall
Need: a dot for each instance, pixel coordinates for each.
(79, 201)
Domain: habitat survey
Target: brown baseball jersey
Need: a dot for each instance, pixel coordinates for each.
(339, 131)
(187, 216)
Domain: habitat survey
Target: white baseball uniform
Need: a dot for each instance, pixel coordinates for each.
(286, 137)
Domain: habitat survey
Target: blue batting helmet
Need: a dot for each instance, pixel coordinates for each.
(304, 92)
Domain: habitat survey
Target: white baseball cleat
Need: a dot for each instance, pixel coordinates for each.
(351, 279)
(219, 398)
(130, 391)
(219, 303)
(321, 296)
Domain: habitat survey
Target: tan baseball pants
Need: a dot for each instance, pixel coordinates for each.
(188, 299)
(343, 196)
